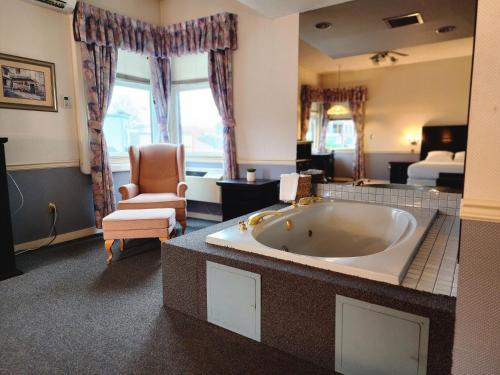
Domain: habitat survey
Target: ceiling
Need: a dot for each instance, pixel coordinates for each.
(280, 8)
(358, 27)
(317, 62)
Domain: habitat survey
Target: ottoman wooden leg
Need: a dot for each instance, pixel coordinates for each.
(122, 244)
(107, 246)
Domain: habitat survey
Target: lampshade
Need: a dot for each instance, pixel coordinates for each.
(338, 109)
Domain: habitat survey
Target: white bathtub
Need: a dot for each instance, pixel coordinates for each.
(360, 239)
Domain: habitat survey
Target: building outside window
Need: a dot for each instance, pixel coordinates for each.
(195, 120)
(130, 119)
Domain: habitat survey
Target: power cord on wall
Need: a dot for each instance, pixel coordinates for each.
(53, 208)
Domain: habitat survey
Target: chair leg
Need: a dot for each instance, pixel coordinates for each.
(183, 225)
(107, 246)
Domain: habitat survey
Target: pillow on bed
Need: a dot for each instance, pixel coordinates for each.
(459, 156)
(439, 156)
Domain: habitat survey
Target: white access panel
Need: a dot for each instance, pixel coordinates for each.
(233, 299)
(376, 340)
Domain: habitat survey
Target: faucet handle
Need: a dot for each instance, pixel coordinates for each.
(243, 226)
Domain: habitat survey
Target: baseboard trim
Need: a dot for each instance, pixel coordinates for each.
(199, 215)
(64, 237)
(480, 210)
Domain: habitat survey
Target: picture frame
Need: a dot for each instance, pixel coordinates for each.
(27, 84)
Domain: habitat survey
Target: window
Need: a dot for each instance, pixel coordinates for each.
(340, 134)
(130, 119)
(196, 120)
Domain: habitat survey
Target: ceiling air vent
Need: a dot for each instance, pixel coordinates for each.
(405, 20)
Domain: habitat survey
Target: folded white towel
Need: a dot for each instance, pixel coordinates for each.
(288, 186)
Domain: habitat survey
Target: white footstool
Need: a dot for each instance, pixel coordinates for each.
(144, 223)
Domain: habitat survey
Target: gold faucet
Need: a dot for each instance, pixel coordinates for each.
(258, 217)
(308, 200)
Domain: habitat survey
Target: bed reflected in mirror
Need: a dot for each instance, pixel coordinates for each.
(385, 92)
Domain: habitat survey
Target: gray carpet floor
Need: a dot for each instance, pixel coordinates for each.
(69, 313)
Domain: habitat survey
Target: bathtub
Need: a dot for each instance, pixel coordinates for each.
(360, 239)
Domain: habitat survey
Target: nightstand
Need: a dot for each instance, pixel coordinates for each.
(399, 171)
(240, 197)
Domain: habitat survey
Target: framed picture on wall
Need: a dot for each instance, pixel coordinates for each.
(27, 84)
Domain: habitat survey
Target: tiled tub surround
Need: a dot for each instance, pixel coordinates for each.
(298, 302)
(434, 268)
(446, 203)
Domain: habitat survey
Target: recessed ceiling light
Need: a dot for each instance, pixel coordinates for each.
(445, 29)
(323, 25)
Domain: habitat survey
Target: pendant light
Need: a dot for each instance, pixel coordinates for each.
(338, 109)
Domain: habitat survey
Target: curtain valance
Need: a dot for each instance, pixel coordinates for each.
(93, 25)
(354, 94)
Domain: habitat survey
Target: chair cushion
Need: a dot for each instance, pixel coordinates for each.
(153, 218)
(156, 200)
(158, 168)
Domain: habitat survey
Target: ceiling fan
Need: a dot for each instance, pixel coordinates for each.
(382, 55)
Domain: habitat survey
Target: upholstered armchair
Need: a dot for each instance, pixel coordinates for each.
(156, 180)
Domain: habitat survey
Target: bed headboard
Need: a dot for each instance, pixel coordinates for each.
(444, 137)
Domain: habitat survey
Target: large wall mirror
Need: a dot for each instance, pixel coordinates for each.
(385, 91)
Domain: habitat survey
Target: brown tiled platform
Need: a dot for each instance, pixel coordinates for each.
(298, 302)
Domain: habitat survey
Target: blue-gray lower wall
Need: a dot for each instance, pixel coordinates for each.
(72, 192)
(377, 163)
(67, 187)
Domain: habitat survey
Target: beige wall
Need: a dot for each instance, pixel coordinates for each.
(45, 137)
(265, 78)
(39, 137)
(483, 163)
(403, 98)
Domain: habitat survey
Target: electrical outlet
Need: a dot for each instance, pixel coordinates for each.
(52, 206)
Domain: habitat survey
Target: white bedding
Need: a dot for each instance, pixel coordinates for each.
(431, 169)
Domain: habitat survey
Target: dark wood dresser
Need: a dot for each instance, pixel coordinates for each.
(7, 258)
(240, 197)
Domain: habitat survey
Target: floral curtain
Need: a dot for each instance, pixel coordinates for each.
(313, 94)
(358, 117)
(305, 111)
(161, 85)
(356, 97)
(93, 25)
(220, 77)
(99, 71)
(102, 32)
